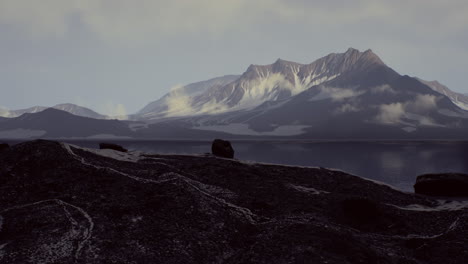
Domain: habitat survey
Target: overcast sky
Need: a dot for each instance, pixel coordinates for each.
(115, 56)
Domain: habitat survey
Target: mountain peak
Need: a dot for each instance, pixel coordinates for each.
(281, 61)
(352, 50)
(52, 110)
(281, 65)
(369, 55)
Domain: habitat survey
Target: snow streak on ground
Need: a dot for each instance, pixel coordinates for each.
(444, 205)
(169, 177)
(86, 231)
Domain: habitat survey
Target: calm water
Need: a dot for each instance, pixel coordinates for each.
(395, 163)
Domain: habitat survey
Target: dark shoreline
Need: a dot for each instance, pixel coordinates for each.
(248, 140)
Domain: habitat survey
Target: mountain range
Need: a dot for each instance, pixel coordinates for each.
(350, 95)
(70, 108)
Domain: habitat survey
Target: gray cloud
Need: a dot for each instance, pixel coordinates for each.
(382, 89)
(394, 112)
(134, 51)
(347, 108)
(390, 113)
(138, 19)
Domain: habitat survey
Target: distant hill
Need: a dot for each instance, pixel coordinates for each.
(53, 123)
(70, 108)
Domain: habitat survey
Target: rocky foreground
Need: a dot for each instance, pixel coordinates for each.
(64, 204)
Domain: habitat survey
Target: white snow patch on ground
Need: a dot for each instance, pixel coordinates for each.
(2, 252)
(243, 129)
(131, 156)
(443, 206)
(253, 163)
(21, 133)
(63, 247)
(165, 177)
(306, 189)
(452, 227)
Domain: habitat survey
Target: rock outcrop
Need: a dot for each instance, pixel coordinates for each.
(63, 204)
(442, 184)
(222, 148)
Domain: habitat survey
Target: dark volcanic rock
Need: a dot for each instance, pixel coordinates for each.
(112, 146)
(4, 146)
(442, 184)
(222, 148)
(61, 204)
(360, 209)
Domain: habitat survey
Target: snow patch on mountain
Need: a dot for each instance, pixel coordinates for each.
(178, 102)
(4, 112)
(462, 105)
(137, 126)
(180, 99)
(458, 99)
(261, 83)
(334, 93)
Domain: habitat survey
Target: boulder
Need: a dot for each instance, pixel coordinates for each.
(222, 148)
(4, 146)
(112, 146)
(442, 184)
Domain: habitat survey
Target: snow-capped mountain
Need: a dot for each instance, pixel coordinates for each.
(79, 111)
(262, 83)
(347, 95)
(178, 101)
(461, 100)
(351, 95)
(16, 113)
(70, 108)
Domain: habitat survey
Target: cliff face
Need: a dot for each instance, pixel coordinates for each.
(64, 204)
